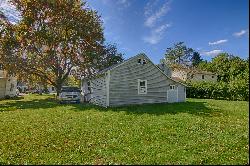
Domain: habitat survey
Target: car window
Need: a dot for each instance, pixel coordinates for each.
(70, 89)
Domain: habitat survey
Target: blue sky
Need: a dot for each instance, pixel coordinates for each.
(208, 26)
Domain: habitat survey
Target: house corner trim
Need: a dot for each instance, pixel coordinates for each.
(107, 90)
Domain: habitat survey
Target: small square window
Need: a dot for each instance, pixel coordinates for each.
(202, 76)
(172, 87)
(141, 61)
(212, 76)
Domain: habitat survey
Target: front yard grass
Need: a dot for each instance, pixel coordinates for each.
(37, 130)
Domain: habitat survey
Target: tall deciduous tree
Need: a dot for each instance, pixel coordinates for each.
(109, 56)
(179, 54)
(196, 59)
(227, 66)
(51, 38)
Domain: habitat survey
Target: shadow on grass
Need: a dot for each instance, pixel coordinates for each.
(13, 98)
(12, 104)
(197, 108)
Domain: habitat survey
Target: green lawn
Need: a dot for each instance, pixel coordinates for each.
(37, 130)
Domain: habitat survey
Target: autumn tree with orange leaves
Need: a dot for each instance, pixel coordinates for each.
(51, 37)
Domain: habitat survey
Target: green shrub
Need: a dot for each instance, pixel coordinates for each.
(236, 89)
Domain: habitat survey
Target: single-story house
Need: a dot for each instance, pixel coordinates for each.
(8, 85)
(134, 81)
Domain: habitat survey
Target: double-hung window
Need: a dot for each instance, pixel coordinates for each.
(142, 86)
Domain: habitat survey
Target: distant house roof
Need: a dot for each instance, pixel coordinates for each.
(177, 79)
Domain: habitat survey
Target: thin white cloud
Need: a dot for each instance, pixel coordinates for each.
(156, 34)
(148, 9)
(241, 33)
(124, 3)
(153, 20)
(212, 53)
(218, 42)
(153, 17)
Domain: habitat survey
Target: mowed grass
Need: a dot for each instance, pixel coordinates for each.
(37, 130)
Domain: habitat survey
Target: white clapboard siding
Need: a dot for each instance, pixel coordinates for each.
(124, 84)
(119, 85)
(98, 88)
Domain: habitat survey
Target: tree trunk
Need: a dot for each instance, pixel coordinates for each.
(58, 89)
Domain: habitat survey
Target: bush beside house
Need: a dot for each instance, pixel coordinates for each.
(234, 90)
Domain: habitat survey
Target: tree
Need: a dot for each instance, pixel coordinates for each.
(109, 56)
(72, 81)
(196, 59)
(179, 54)
(221, 64)
(51, 38)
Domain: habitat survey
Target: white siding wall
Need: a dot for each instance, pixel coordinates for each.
(98, 91)
(124, 84)
(11, 85)
(8, 87)
(207, 77)
(181, 93)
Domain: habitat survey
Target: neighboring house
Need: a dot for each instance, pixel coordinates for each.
(184, 73)
(24, 87)
(42, 88)
(8, 85)
(193, 75)
(134, 81)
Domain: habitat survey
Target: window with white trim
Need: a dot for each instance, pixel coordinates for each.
(142, 86)
(172, 87)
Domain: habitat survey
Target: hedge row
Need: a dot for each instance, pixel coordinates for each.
(234, 90)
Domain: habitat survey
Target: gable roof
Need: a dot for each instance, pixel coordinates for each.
(116, 65)
(122, 63)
